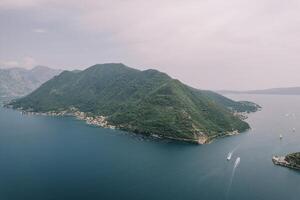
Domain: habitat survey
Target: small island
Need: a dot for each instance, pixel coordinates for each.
(291, 160)
(146, 102)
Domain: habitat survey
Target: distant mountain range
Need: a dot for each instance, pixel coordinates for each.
(147, 102)
(16, 82)
(275, 91)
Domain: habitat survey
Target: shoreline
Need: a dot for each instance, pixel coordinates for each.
(227, 134)
(281, 161)
(101, 121)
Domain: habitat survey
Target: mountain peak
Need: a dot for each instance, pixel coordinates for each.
(108, 65)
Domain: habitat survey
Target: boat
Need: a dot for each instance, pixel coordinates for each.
(294, 129)
(229, 156)
(280, 136)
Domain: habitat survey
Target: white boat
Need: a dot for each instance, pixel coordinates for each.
(280, 136)
(294, 129)
(229, 156)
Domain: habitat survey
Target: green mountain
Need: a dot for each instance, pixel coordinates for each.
(147, 102)
(16, 82)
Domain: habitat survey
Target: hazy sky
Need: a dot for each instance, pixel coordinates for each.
(209, 44)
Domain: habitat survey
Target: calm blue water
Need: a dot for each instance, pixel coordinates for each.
(62, 158)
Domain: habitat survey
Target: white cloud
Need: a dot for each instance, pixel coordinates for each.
(39, 30)
(15, 4)
(8, 63)
(26, 62)
(232, 38)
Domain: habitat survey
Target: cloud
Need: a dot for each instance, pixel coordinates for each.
(19, 4)
(39, 30)
(26, 62)
(8, 63)
(196, 41)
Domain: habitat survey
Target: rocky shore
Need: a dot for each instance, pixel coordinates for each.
(202, 138)
(282, 161)
(241, 115)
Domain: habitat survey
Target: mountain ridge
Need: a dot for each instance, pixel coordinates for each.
(16, 82)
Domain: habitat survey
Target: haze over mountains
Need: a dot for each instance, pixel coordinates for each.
(274, 91)
(16, 82)
(148, 102)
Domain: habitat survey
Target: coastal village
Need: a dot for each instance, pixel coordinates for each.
(96, 121)
(100, 121)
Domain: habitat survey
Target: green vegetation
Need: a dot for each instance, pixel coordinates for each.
(147, 102)
(293, 159)
(242, 106)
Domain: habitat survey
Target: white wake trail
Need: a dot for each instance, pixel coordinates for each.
(235, 166)
(231, 152)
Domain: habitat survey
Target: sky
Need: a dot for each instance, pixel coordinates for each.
(208, 44)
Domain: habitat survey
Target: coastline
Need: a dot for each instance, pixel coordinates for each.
(101, 121)
(227, 134)
(281, 161)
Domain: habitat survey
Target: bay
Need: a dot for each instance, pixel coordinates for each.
(62, 158)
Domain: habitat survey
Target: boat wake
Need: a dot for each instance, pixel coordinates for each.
(235, 166)
(236, 163)
(231, 152)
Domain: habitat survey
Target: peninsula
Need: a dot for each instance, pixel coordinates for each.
(291, 160)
